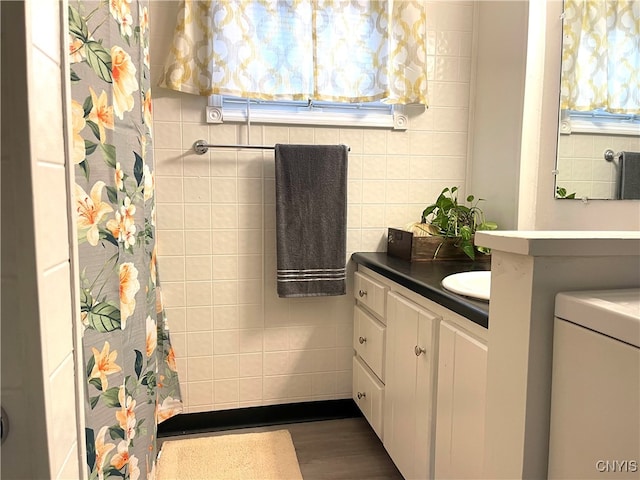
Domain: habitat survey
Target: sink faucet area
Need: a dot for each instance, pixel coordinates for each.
(476, 284)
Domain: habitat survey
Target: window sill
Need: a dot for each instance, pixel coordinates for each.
(567, 127)
(397, 121)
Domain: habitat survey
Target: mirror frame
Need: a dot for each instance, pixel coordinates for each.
(538, 209)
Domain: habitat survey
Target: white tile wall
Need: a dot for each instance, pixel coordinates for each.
(61, 416)
(582, 168)
(40, 333)
(53, 238)
(238, 343)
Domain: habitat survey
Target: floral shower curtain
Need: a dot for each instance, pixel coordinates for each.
(131, 382)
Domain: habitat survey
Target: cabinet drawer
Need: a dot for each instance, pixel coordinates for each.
(368, 393)
(368, 340)
(370, 293)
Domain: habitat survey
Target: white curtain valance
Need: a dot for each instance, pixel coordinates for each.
(334, 50)
(601, 56)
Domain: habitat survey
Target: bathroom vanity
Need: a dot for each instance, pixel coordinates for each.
(419, 367)
(500, 427)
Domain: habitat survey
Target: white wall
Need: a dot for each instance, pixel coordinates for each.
(38, 381)
(538, 209)
(497, 113)
(236, 343)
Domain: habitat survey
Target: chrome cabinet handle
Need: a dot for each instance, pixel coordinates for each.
(361, 395)
(419, 351)
(362, 293)
(362, 340)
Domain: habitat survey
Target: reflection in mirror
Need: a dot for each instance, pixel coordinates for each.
(599, 100)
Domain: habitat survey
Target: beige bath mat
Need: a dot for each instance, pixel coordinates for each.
(246, 456)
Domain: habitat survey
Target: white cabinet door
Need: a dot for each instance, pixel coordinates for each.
(409, 388)
(462, 374)
(595, 399)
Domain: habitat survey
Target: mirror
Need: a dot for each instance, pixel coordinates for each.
(582, 172)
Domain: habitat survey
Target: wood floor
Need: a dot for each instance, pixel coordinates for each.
(345, 449)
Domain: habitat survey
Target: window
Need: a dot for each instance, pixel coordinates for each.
(350, 53)
(225, 108)
(600, 91)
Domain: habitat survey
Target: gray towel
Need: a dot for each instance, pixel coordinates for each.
(629, 176)
(311, 219)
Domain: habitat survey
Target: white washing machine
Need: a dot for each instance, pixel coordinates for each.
(595, 396)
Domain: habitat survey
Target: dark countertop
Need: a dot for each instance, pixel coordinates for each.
(425, 279)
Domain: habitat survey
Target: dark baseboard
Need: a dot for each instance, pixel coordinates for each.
(188, 423)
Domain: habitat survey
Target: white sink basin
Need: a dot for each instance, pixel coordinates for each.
(475, 284)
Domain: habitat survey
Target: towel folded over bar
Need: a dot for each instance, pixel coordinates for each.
(629, 176)
(311, 219)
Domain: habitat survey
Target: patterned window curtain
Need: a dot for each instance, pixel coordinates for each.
(130, 376)
(601, 56)
(333, 50)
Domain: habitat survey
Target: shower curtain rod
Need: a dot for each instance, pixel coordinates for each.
(201, 147)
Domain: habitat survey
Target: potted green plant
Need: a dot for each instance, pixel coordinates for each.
(455, 220)
(561, 192)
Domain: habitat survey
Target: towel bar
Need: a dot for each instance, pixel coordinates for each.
(201, 147)
(610, 156)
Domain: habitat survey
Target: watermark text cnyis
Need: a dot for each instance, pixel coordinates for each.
(617, 466)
